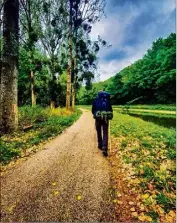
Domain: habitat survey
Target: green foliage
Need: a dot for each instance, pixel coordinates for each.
(7, 152)
(46, 123)
(151, 79)
(163, 200)
(148, 172)
(153, 215)
(41, 78)
(29, 115)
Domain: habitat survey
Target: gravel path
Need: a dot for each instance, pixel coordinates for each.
(68, 181)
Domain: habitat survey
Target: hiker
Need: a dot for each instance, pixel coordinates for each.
(102, 112)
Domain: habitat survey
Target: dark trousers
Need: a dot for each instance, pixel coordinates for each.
(102, 133)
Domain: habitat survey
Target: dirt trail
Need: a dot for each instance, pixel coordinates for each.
(68, 181)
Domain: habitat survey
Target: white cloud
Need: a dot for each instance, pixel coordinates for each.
(108, 69)
(114, 30)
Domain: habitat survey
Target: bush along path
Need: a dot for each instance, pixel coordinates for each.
(68, 181)
(143, 170)
(37, 125)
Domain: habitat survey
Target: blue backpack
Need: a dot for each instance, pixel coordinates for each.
(103, 101)
(103, 106)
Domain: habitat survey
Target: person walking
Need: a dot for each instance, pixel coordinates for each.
(102, 113)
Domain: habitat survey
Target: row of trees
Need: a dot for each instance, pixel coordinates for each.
(151, 79)
(43, 43)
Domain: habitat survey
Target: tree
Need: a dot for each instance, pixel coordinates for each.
(151, 79)
(69, 70)
(52, 36)
(29, 20)
(8, 82)
(41, 78)
(82, 13)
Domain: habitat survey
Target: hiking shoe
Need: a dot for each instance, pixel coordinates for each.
(105, 153)
(100, 147)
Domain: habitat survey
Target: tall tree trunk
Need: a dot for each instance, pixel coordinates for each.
(68, 90)
(75, 64)
(9, 72)
(73, 96)
(74, 84)
(52, 88)
(52, 104)
(33, 93)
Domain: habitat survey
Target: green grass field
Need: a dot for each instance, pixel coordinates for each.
(157, 107)
(150, 149)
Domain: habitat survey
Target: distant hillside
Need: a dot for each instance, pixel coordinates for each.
(151, 79)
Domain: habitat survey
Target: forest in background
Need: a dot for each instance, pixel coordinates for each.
(150, 80)
(46, 53)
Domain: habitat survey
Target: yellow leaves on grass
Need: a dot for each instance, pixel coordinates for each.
(163, 167)
(149, 200)
(159, 210)
(141, 171)
(134, 182)
(144, 218)
(170, 217)
(60, 111)
(144, 196)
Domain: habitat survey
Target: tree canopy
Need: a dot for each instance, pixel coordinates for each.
(151, 79)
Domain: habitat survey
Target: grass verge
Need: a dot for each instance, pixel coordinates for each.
(166, 120)
(170, 107)
(148, 153)
(46, 123)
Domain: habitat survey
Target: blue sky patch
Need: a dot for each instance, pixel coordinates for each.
(130, 27)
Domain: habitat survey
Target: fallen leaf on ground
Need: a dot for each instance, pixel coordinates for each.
(119, 195)
(138, 204)
(145, 196)
(131, 203)
(132, 209)
(150, 186)
(120, 202)
(54, 184)
(142, 208)
(145, 218)
(10, 209)
(172, 213)
(135, 214)
(55, 193)
(79, 197)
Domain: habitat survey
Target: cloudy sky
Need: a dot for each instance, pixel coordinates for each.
(130, 27)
